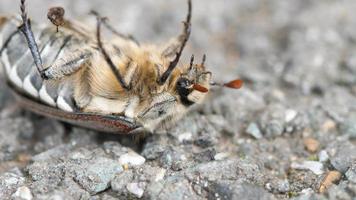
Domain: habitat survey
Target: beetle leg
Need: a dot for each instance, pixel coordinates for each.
(114, 31)
(108, 60)
(61, 68)
(27, 31)
(176, 47)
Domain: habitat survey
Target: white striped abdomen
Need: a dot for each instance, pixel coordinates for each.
(22, 73)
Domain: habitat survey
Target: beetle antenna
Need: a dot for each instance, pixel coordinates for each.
(235, 84)
(25, 28)
(203, 60)
(191, 62)
(184, 39)
(108, 60)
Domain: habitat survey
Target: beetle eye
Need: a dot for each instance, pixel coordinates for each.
(183, 87)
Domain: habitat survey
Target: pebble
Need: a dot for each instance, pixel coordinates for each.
(342, 156)
(96, 176)
(348, 128)
(10, 179)
(314, 166)
(152, 150)
(174, 159)
(236, 190)
(185, 137)
(283, 186)
(253, 130)
(23, 193)
(305, 194)
(290, 115)
(351, 173)
(274, 128)
(120, 181)
(330, 178)
(136, 189)
(311, 145)
(328, 125)
(132, 159)
(160, 175)
(339, 192)
(323, 156)
(222, 156)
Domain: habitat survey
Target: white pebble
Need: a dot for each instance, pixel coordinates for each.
(12, 181)
(160, 175)
(23, 193)
(132, 158)
(323, 156)
(307, 191)
(136, 189)
(253, 130)
(185, 137)
(221, 156)
(290, 115)
(77, 156)
(314, 166)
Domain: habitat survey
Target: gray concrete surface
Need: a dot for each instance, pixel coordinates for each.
(277, 138)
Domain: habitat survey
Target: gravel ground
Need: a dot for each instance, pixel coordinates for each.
(289, 133)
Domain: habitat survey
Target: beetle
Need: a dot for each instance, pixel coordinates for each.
(71, 74)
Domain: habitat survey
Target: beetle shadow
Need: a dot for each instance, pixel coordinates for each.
(133, 141)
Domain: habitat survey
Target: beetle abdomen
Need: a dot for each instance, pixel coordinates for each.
(21, 71)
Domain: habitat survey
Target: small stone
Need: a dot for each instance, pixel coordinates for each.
(160, 175)
(274, 128)
(328, 125)
(174, 159)
(222, 156)
(77, 156)
(154, 147)
(351, 187)
(305, 194)
(52, 153)
(339, 192)
(330, 178)
(351, 173)
(132, 159)
(96, 176)
(120, 181)
(311, 145)
(283, 186)
(301, 179)
(23, 193)
(236, 190)
(314, 166)
(348, 128)
(136, 189)
(126, 167)
(290, 115)
(280, 186)
(342, 155)
(10, 181)
(253, 130)
(174, 187)
(184, 137)
(272, 121)
(323, 156)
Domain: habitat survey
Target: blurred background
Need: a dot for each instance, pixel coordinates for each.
(271, 36)
(289, 133)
